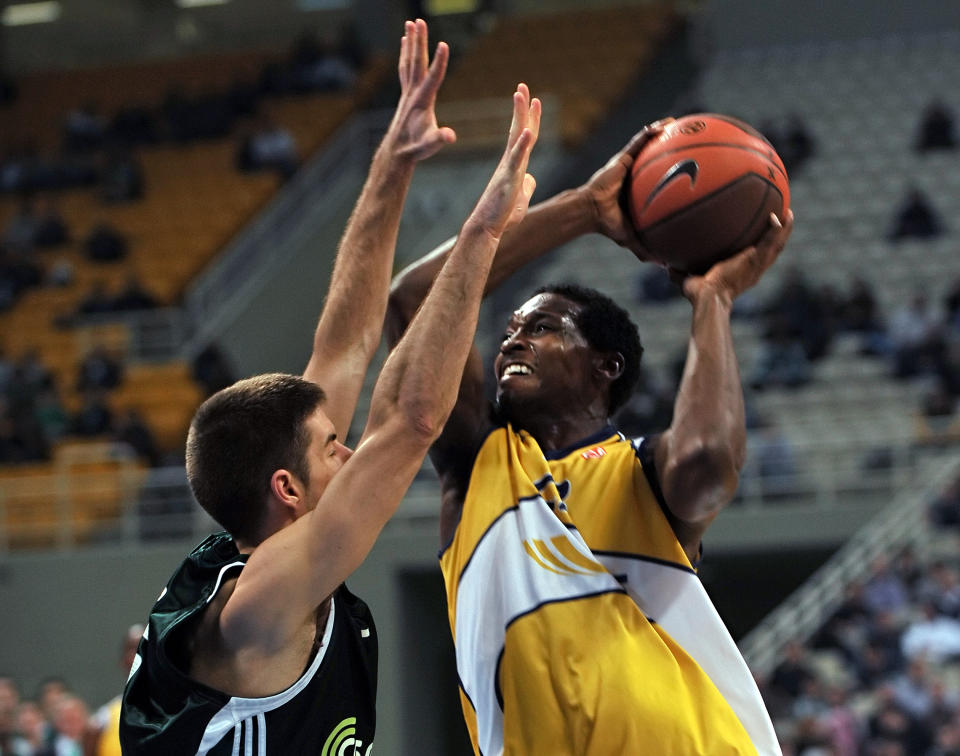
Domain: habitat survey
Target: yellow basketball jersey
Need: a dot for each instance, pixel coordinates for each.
(580, 626)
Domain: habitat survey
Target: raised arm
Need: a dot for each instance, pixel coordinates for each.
(411, 400)
(699, 457)
(594, 207)
(350, 326)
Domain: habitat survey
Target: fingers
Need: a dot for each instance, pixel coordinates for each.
(775, 237)
(643, 136)
(438, 69)
(521, 106)
(406, 46)
(415, 63)
(420, 57)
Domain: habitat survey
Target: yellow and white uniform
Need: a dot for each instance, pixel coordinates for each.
(579, 623)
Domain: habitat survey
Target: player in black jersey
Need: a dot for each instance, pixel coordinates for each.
(255, 646)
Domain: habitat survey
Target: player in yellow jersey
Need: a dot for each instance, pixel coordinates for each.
(569, 551)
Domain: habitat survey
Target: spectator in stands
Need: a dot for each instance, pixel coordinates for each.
(892, 731)
(859, 313)
(650, 408)
(775, 461)
(51, 415)
(84, 129)
(133, 296)
(938, 401)
(189, 115)
(936, 130)
(912, 688)
(654, 285)
(798, 311)
(99, 370)
(32, 736)
(33, 374)
(916, 218)
(781, 360)
(130, 429)
(317, 66)
(884, 590)
(797, 144)
(97, 300)
(61, 273)
(269, 146)
(6, 370)
(103, 730)
(916, 337)
(18, 272)
(935, 637)
(945, 508)
(133, 125)
(9, 701)
(94, 417)
(105, 244)
(70, 721)
(122, 177)
(20, 232)
(8, 90)
(791, 675)
(840, 723)
(51, 229)
(212, 370)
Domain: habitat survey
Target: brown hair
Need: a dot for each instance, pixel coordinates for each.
(239, 437)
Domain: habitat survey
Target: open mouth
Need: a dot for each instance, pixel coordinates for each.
(516, 368)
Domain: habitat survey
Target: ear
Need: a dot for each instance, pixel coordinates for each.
(610, 365)
(286, 492)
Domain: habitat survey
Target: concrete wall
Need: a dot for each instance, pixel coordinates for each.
(736, 24)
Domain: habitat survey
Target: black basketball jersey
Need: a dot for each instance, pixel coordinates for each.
(328, 711)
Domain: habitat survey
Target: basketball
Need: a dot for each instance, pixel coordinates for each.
(704, 189)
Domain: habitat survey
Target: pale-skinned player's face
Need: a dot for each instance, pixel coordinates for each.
(544, 363)
(325, 455)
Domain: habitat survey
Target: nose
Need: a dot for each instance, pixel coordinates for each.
(344, 452)
(512, 343)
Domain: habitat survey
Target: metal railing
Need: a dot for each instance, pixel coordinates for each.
(901, 523)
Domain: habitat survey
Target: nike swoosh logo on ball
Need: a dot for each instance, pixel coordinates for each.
(686, 167)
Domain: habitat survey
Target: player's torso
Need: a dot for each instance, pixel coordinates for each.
(329, 707)
(555, 552)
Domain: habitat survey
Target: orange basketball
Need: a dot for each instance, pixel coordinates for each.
(704, 189)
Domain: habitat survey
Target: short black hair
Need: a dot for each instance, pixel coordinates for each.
(239, 437)
(607, 327)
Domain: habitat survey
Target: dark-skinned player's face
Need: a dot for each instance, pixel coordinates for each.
(545, 363)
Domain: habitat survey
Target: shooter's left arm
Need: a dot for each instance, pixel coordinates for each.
(700, 456)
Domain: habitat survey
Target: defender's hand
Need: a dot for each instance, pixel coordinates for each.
(505, 201)
(413, 132)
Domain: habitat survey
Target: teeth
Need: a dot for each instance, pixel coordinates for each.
(516, 369)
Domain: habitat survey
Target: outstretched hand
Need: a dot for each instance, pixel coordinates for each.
(414, 130)
(605, 189)
(506, 198)
(733, 276)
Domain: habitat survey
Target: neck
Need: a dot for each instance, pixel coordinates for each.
(554, 433)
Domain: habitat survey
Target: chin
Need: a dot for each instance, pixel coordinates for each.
(512, 409)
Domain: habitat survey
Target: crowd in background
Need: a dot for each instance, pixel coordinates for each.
(881, 677)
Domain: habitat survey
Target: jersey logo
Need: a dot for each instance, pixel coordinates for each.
(561, 557)
(595, 453)
(342, 741)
